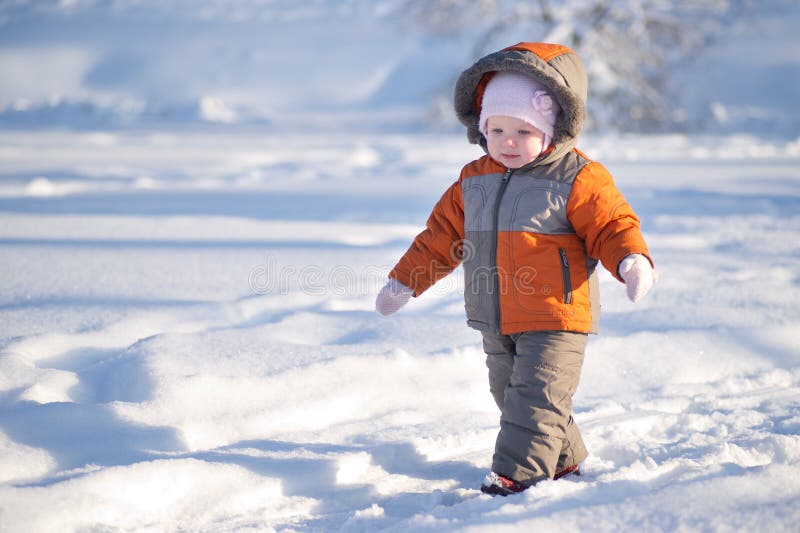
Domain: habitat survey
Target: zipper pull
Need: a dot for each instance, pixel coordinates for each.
(564, 260)
(506, 175)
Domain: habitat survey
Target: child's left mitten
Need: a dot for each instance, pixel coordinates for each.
(639, 276)
(392, 297)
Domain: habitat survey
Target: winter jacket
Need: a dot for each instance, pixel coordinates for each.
(529, 238)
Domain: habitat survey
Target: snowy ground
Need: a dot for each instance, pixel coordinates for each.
(187, 341)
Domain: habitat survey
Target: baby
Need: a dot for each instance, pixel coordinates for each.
(529, 221)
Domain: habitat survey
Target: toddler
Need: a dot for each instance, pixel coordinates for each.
(529, 221)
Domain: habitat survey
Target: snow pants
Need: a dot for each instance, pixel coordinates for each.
(533, 376)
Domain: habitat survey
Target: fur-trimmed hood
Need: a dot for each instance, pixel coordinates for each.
(556, 67)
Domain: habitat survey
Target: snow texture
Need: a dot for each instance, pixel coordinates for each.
(189, 342)
(188, 339)
(89, 64)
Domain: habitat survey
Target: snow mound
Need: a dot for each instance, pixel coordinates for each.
(188, 342)
(177, 494)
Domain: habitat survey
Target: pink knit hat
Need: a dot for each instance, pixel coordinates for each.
(519, 96)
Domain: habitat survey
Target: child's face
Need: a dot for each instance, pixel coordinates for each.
(513, 142)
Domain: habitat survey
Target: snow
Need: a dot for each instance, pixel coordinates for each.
(187, 332)
(203, 353)
(85, 65)
(184, 493)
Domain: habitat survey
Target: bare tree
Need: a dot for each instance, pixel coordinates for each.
(629, 46)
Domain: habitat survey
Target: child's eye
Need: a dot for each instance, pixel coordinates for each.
(497, 130)
(524, 132)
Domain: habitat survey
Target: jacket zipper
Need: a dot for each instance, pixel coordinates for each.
(503, 185)
(565, 276)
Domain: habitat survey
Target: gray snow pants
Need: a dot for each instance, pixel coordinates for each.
(533, 376)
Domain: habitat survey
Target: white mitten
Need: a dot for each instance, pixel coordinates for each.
(639, 276)
(392, 297)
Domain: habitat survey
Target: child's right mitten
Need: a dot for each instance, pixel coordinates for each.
(392, 297)
(639, 276)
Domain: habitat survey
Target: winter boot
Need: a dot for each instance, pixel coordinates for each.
(498, 485)
(561, 472)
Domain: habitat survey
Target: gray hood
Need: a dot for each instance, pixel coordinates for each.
(556, 67)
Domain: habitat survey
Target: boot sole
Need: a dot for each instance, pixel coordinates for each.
(571, 471)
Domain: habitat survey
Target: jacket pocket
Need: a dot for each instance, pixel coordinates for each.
(565, 276)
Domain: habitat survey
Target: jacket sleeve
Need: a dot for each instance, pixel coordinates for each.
(603, 218)
(437, 250)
